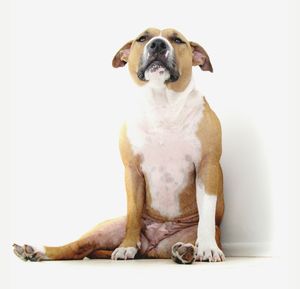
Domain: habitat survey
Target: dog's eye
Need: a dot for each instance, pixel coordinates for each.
(141, 39)
(178, 40)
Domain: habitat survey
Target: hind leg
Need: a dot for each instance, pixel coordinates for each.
(181, 246)
(166, 248)
(104, 238)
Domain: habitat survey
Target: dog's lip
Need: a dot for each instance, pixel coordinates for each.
(174, 74)
(155, 62)
(158, 62)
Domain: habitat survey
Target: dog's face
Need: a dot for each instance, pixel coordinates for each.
(162, 57)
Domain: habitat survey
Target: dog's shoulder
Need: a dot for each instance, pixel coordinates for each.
(209, 130)
(129, 158)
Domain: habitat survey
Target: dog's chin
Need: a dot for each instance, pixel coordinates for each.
(158, 73)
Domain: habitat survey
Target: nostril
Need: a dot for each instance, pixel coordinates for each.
(163, 45)
(158, 45)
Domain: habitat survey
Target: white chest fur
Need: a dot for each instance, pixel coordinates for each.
(164, 135)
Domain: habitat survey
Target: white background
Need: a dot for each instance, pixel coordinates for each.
(69, 103)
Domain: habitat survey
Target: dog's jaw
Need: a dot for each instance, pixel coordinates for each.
(157, 76)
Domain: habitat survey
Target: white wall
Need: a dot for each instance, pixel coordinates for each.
(70, 103)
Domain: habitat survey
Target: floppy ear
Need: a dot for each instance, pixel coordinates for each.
(200, 57)
(121, 58)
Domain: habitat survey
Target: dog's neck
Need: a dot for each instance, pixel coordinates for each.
(164, 107)
(157, 95)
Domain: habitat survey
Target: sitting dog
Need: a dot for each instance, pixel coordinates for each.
(171, 151)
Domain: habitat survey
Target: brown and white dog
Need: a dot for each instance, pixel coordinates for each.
(171, 151)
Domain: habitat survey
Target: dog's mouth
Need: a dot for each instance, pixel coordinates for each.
(156, 66)
(153, 65)
(159, 67)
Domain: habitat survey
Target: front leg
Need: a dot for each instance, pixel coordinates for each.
(209, 185)
(135, 188)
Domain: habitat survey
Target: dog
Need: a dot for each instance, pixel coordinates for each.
(171, 151)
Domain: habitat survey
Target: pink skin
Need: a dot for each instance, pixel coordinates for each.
(164, 247)
(109, 235)
(198, 57)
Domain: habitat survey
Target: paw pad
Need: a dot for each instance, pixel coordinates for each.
(28, 253)
(183, 253)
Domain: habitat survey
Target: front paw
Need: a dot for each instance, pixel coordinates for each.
(209, 251)
(124, 253)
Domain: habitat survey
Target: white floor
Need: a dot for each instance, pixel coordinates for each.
(233, 273)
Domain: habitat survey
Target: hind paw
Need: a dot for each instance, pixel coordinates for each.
(27, 252)
(183, 253)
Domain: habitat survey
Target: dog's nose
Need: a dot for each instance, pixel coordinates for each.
(157, 46)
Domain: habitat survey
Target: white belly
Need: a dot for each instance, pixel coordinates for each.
(169, 148)
(167, 161)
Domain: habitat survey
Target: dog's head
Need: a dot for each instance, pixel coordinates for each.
(162, 57)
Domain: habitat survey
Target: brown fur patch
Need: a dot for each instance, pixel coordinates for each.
(73, 251)
(187, 198)
(135, 189)
(100, 254)
(210, 172)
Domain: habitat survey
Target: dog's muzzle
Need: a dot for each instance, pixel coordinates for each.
(158, 54)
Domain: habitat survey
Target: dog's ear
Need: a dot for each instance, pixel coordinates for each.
(121, 57)
(200, 57)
